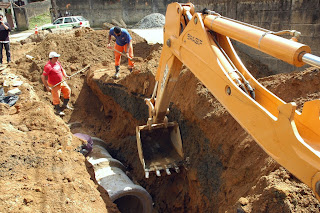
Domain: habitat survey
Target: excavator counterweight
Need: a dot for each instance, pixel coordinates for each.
(201, 42)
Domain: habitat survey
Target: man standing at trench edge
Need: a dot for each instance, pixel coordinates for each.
(123, 43)
(53, 74)
(4, 39)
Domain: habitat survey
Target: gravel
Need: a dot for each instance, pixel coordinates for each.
(154, 20)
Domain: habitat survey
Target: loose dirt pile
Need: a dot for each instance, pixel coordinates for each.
(228, 172)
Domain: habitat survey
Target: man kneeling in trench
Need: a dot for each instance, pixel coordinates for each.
(53, 74)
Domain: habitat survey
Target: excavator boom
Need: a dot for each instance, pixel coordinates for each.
(201, 41)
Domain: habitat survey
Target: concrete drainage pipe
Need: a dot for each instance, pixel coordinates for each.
(110, 174)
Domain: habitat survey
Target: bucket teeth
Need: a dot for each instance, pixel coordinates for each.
(187, 160)
(158, 173)
(147, 174)
(166, 168)
(168, 171)
(176, 168)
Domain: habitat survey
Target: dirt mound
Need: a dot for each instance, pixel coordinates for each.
(77, 48)
(44, 173)
(228, 172)
(40, 169)
(35, 37)
(81, 47)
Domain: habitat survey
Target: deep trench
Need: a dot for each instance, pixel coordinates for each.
(169, 193)
(220, 168)
(201, 185)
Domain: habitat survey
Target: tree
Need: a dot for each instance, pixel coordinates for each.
(54, 11)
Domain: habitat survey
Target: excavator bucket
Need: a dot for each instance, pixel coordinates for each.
(160, 147)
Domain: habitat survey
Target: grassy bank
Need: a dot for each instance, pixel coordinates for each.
(39, 20)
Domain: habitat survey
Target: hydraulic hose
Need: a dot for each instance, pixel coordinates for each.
(246, 83)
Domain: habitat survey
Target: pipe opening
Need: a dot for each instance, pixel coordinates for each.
(129, 204)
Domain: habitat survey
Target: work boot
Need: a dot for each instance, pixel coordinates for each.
(58, 110)
(65, 104)
(130, 69)
(116, 75)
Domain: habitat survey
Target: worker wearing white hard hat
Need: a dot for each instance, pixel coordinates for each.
(52, 75)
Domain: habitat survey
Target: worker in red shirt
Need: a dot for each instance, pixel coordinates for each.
(53, 73)
(123, 43)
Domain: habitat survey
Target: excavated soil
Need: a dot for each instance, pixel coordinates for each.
(41, 171)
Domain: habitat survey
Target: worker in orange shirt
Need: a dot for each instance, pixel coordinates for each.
(123, 43)
(53, 74)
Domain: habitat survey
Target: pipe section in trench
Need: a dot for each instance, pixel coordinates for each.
(110, 174)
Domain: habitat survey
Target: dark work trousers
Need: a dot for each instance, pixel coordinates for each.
(7, 48)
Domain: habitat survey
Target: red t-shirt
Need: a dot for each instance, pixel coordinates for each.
(54, 72)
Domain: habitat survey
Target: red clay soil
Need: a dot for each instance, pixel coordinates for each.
(41, 171)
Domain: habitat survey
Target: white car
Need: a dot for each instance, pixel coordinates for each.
(67, 23)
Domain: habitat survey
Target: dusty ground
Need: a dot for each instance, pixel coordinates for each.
(228, 172)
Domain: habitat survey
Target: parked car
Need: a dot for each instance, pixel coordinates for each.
(67, 22)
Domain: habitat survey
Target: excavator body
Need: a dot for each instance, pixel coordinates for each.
(201, 42)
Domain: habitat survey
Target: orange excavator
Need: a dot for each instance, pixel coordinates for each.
(201, 41)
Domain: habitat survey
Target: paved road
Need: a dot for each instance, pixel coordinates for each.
(18, 36)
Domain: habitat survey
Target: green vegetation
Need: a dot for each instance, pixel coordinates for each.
(39, 20)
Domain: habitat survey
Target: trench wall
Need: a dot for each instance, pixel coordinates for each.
(275, 15)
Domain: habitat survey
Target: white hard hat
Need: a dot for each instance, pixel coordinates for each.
(53, 55)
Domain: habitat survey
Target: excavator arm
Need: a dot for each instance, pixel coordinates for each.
(201, 41)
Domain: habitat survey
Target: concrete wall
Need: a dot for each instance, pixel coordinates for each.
(24, 13)
(300, 15)
(275, 15)
(37, 8)
(21, 20)
(100, 11)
